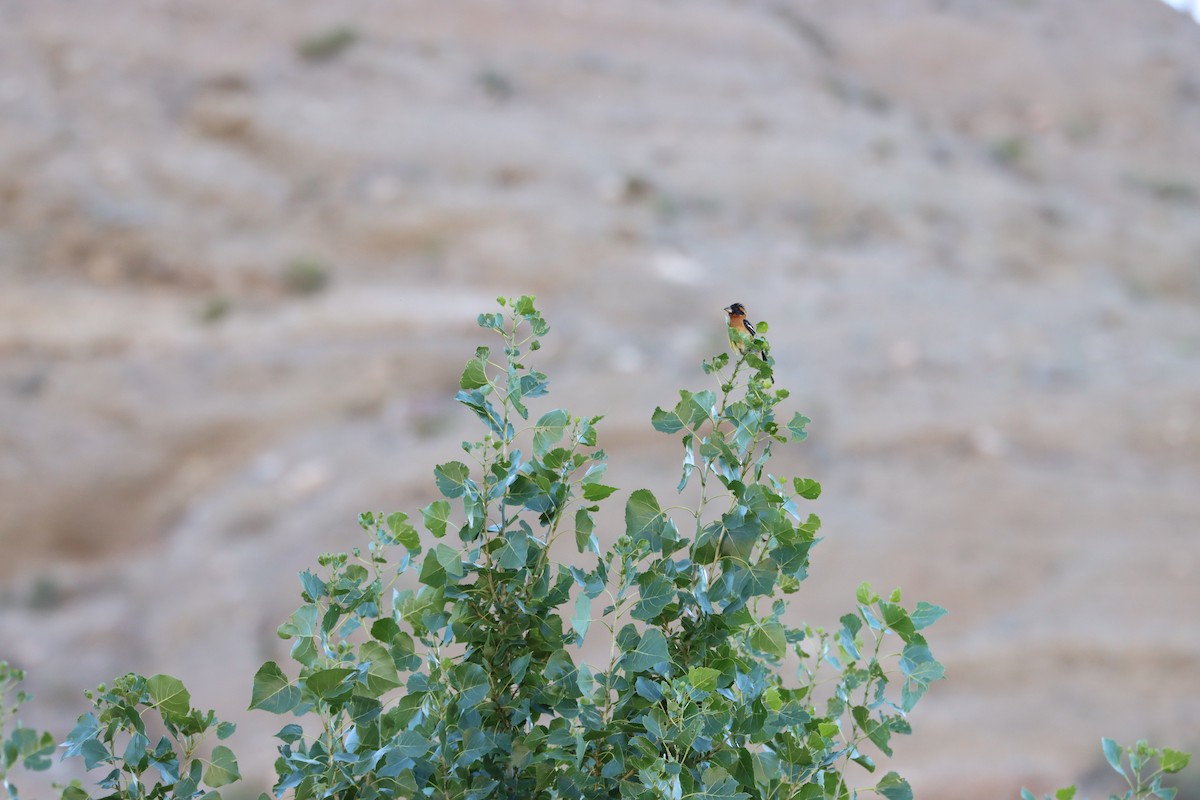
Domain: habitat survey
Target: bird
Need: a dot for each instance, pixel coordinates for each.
(742, 332)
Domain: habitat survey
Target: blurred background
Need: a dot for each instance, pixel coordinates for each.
(242, 247)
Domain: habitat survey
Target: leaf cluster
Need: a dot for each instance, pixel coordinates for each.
(1141, 766)
(114, 737)
(22, 746)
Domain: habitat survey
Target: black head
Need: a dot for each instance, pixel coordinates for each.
(737, 309)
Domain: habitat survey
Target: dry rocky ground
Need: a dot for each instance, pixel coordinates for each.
(242, 247)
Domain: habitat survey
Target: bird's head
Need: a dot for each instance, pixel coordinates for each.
(737, 309)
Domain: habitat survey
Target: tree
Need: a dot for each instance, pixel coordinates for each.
(467, 684)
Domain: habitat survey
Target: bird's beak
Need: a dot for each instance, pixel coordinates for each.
(726, 310)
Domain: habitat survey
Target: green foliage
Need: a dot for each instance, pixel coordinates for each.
(114, 737)
(21, 746)
(450, 668)
(1141, 766)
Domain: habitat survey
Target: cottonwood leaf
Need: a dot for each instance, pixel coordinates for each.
(582, 619)
(656, 594)
(1173, 761)
(514, 551)
(704, 678)
(770, 638)
(548, 430)
(169, 696)
(896, 618)
(593, 492)
(925, 614)
(1112, 753)
(223, 769)
(796, 426)
(725, 788)
(452, 478)
(327, 683)
(893, 787)
(273, 691)
(807, 488)
(584, 525)
(403, 531)
(651, 650)
(436, 516)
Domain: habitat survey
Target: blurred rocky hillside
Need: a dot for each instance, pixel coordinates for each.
(242, 247)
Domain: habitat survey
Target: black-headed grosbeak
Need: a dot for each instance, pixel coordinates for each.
(741, 331)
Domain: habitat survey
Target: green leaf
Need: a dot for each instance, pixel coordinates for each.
(525, 306)
(704, 678)
(493, 321)
(549, 430)
(582, 619)
(651, 651)
(593, 492)
(225, 730)
(755, 580)
(1173, 761)
(475, 374)
(719, 788)
(796, 426)
(645, 520)
(471, 683)
(770, 638)
(584, 525)
(381, 674)
(403, 532)
(807, 488)
(925, 614)
(314, 587)
(328, 683)
(893, 787)
(86, 730)
(223, 769)
(440, 563)
(666, 421)
(864, 595)
(436, 516)
(656, 594)
(918, 664)
(689, 463)
(452, 478)
(486, 412)
(1112, 753)
(515, 550)
(411, 744)
(169, 696)
(25, 744)
(896, 618)
(1065, 794)
(272, 691)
